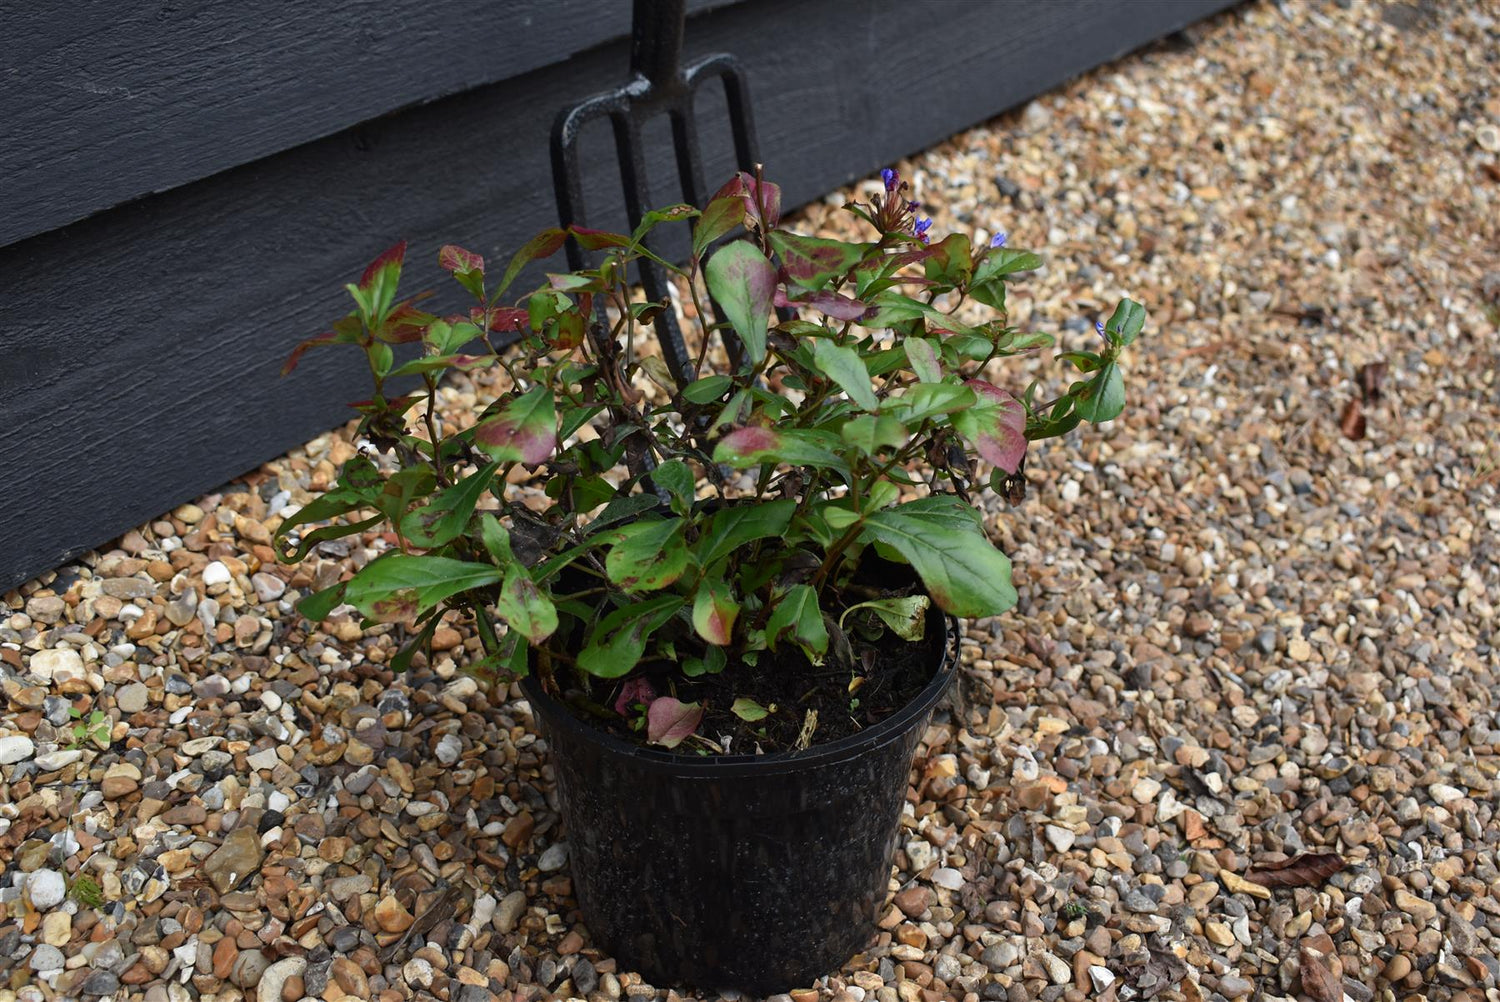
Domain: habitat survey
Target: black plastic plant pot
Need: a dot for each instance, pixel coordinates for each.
(758, 873)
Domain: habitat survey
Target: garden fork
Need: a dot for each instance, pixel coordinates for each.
(658, 85)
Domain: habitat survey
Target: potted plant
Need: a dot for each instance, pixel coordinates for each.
(727, 597)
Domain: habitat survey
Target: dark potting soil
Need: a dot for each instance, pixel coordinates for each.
(895, 671)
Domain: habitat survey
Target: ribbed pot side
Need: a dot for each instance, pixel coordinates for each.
(760, 873)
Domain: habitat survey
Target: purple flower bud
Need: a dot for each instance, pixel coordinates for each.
(890, 177)
(1099, 326)
(998, 240)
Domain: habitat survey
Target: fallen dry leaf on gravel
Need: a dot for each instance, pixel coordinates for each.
(1317, 981)
(1306, 870)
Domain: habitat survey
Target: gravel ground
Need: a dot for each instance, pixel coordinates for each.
(1243, 634)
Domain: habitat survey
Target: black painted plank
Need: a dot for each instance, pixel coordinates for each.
(102, 102)
(139, 348)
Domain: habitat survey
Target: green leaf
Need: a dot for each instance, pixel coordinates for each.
(906, 617)
(1083, 361)
(496, 540)
(844, 367)
(869, 433)
(714, 611)
(712, 662)
(743, 283)
(378, 283)
(812, 262)
(466, 266)
(961, 569)
(444, 517)
(739, 524)
(655, 217)
(647, 556)
(1005, 261)
(544, 244)
(617, 641)
(1103, 398)
(524, 431)
(403, 586)
(708, 389)
(797, 615)
(676, 478)
(620, 509)
(402, 660)
(719, 217)
(748, 710)
(525, 607)
(319, 604)
(1126, 322)
(927, 400)
(924, 361)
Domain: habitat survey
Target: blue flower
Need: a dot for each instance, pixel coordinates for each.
(921, 226)
(1099, 326)
(890, 177)
(998, 240)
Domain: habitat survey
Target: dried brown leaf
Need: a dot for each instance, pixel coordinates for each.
(1352, 421)
(1317, 980)
(1306, 870)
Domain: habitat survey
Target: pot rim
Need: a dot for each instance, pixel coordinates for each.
(718, 766)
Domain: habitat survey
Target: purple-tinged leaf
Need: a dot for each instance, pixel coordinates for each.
(590, 239)
(502, 319)
(525, 431)
(635, 690)
(390, 258)
(714, 611)
(833, 304)
(669, 721)
(755, 196)
(812, 262)
(720, 217)
(743, 283)
(753, 444)
(327, 337)
(544, 244)
(404, 325)
(996, 426)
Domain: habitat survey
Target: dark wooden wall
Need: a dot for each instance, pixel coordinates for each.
(184, 187)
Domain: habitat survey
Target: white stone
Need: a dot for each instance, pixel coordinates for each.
(265, 759)
(449, 747)
(46, 889)
(53, 761)
(1445, 794)
(555, 858)
(920, 853)
(1145, 790)
(1061, 838)
(947, 877)
(16, 748)
(216, 574)
(46, 664)
(1102, 977)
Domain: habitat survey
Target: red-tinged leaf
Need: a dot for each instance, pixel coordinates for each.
(501, 319)
(812, 262)
(754, 444)
(404, 325)
(720, 217)
(1352, 420)
(635, 690)
(524, 431)
(669, 721)
(714, 611)
(996, 426)
(327, 337)
(755, 196)
(544, 244)
(590, 239)
(1306, 870)
(391, 256)
(455, 258)
(1317, 980)
(833, 304)
(748, 441)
